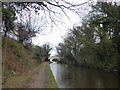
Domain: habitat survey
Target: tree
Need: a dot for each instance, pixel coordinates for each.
(109, 19)
(28, 26)
(70, 49)
(46, 51)
(8, 17)
(92, 43)
(38, 55)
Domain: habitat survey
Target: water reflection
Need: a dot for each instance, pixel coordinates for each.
(68, 76)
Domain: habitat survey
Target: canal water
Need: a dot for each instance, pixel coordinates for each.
(70, 76)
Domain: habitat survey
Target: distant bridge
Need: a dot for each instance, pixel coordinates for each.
(54, 57)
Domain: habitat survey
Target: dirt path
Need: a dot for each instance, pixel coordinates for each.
(39, 80)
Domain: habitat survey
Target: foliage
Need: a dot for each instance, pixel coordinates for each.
(46, 50)
(95, 43)
(38, 56)
(8, 17)
(24, 33)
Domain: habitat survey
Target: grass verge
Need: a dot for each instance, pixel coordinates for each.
(52, 81)
(20, 81)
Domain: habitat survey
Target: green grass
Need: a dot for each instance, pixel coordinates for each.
(20, 81)
(18, 48)
(52, 82)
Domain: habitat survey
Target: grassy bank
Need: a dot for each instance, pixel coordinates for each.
(52, 82)
(18, 59)
(20, 63)
(20, 81)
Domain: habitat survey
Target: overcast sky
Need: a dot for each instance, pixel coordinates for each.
(55, 36)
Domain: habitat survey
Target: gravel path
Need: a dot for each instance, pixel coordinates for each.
(39, 80)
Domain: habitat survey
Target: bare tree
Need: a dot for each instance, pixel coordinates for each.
(28, 26)
(53, 8)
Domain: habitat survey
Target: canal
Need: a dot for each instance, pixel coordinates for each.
(70, 76)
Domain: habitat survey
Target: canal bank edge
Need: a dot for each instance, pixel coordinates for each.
(52, 81)
(20, 81)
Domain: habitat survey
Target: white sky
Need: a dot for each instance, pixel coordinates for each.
(54, 36)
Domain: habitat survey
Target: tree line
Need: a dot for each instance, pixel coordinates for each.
(96, 43)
